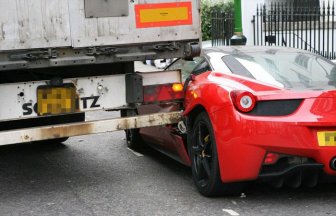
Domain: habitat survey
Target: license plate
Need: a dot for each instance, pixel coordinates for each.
(56, 100)
(326, 138)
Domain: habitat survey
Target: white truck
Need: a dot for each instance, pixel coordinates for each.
(62, 58)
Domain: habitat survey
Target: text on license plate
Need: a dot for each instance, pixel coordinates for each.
(326, 138)
(56, 100)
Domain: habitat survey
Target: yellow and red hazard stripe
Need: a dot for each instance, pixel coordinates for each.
(163, 14)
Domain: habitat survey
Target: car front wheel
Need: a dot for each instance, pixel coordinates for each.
(204, 159)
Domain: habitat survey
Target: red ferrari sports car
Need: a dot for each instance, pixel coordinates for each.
(251, 113)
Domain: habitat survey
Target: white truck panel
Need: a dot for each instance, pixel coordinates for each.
(95, 93)
(122, 30)
(27, 24)
(110, 91)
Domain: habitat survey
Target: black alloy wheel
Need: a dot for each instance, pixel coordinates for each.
(204, 159)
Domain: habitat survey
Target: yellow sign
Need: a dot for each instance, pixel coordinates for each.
(163, 14)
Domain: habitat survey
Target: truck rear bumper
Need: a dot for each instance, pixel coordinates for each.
(84, 128)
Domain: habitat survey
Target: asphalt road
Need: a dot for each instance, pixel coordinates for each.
(98, 175)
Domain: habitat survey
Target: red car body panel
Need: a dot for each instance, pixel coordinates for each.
(243, 140)
(162, 137)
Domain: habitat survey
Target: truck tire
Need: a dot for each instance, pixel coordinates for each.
(133, 137)
(204, 160)
(69, 118)
(54, 141)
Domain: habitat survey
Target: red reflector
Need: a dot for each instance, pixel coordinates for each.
(165, 92)
(244, 101)
(271, 158)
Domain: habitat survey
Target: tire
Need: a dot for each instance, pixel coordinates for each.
(69, 118)
(204, 160)
(55, 141)
(133, 139)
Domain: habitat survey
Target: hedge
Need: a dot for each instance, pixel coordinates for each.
(207, 7)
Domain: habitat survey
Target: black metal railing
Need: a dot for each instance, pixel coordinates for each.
(304, 27)
(222, 28)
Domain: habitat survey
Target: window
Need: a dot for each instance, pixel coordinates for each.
(295, 4)
(293, 10)
(186, 67)
(236, 67)
(286, 70)
(202, 67)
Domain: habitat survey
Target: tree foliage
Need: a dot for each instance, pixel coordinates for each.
(207, 8)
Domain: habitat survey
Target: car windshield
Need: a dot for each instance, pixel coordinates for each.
(299, 70)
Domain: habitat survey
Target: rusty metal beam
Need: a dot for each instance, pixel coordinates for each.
(84, 128)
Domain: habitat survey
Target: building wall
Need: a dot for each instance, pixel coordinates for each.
(249, 8)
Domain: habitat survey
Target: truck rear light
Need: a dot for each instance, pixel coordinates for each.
(163, 92)
(244, 101)
(271, 158)
(177, 87)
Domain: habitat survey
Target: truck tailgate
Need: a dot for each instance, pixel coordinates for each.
(34, 24)
(30, 24)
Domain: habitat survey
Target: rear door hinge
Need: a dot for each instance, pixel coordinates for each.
(164, 46)
(96, 51)
(34, 55)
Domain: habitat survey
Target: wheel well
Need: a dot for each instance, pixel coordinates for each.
(190, 121)
(193, 114)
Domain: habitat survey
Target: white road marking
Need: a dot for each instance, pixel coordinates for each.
(136, 153)
(231, 212)
(243, 195)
